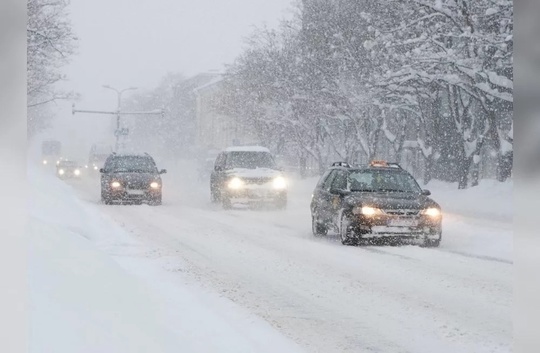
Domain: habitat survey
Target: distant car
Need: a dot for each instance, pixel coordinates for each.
(378, 201)
(131, 178)
(247, 175)
(66, 169)
(50, 152)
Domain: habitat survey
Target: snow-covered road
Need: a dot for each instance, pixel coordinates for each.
(325, 296)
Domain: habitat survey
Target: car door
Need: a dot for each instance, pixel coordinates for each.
(324, 198)
(217, 175)
(339, 183)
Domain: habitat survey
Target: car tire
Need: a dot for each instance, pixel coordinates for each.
(281, 204)
(155, 201)
(318, 229)
(214, 198)
(345, 233)
(432, 243)
(105, 199)
(226, 202)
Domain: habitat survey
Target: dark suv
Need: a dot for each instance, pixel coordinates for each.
(247, 175)
(379, 201)
(131, 177)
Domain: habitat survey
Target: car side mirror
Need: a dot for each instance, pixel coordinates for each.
(101, 170)
(426, 192)
(163, 171)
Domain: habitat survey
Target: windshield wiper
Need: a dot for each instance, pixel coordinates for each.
(392, 190)
(362, 190)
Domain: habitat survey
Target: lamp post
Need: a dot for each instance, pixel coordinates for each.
(119, 94)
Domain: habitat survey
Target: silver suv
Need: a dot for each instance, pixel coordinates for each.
(247, 175)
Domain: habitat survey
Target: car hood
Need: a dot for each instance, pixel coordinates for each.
(391, 200)
(253, 173)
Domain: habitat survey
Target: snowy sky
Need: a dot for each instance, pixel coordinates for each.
(127, 43)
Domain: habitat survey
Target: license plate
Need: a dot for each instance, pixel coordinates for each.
(135, 192)
(403, 222)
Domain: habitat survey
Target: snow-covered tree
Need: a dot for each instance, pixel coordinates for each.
(50, 44)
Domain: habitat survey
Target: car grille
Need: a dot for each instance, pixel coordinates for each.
(258, 181)
(402, 212)
(136, 185)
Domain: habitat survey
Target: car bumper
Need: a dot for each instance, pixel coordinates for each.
(417, 227)
(255, 195)
(132, 195)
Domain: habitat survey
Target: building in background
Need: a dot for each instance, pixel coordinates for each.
(215, 130)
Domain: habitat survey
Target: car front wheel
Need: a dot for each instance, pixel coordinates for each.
(155, 201)
(214, 197)
(432, 243)
(226, 202)
(345, 231)
(317, 228)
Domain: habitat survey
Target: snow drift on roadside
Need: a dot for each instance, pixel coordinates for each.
(83, 300)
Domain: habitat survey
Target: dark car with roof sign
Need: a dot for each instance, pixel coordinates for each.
(380, 201)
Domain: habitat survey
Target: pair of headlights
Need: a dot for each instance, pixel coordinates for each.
(432, 212)
(279, 183)
(76, 172)
(117, 184)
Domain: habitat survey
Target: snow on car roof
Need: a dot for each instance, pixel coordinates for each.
(247, 149)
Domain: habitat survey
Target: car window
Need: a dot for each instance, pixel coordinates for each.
(249, 160)
(329, 179)
(373, 180)
(220, 160)
(131, 164)
(340, 181)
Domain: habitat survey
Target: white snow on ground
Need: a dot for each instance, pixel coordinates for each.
(325, 296)
(93, 288)
(479, 220)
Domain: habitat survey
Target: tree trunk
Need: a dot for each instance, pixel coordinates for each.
(463, 178)
(504, 166)
(428, 170)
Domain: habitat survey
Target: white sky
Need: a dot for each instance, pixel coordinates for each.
(127, 43)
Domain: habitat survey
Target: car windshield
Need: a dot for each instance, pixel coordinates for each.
(131, 164)
(385, 181)
(249, 160)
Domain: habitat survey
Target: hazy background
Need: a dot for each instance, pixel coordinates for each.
(135, 43)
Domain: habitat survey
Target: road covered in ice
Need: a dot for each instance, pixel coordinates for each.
(324, 296)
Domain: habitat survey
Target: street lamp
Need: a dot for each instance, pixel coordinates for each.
(119, 94)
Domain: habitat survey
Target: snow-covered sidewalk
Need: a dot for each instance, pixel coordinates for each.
(90, 292)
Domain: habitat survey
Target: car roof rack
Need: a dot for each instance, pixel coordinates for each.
(341, 164)
(384, 164)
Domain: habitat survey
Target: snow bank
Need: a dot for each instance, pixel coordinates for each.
(490, 199)
(82, 299)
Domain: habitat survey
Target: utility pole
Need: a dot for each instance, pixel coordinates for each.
(119, 131)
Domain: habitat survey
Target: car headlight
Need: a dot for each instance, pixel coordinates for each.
(77, 172)
(432, 212)
(44, 161)
(154, 185)
(95, 167)
(367, 211)
(279, 183)
(116, 184)
(61, 171)
(236, 183)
